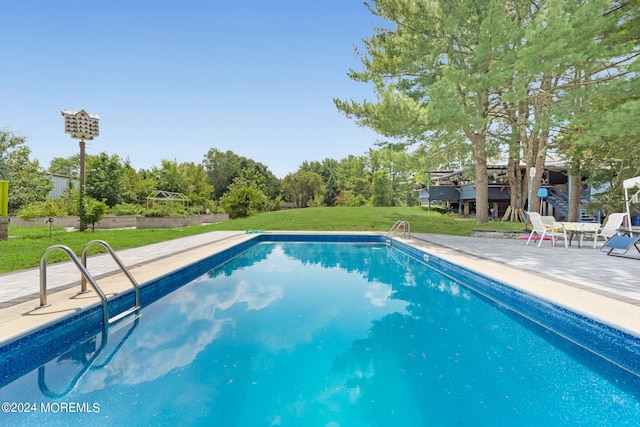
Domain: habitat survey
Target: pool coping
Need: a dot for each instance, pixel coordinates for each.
(606, 316)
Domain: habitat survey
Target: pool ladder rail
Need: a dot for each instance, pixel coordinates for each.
(86, 277)
(406, 230)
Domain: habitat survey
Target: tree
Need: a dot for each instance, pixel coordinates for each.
(302, 187)
(105, 178)
(142, 184)
(599, 108)
(94, 211)
(354, 181)
(222, 168)
(27, 181)
(431, 72)
(172, 176)
(69, 166)
(201, 190)
(327, 169)
(392, 170)
(242, 198)
(8, 142)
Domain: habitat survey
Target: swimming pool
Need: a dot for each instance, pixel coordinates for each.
(354, 333)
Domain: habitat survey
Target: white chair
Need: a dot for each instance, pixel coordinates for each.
(547, 219)
(610, 228)
(545, 230)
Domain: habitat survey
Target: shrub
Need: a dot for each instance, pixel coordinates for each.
(43, 209)
(168, 209)
(122, 209)
(242, 200)
(94, 210)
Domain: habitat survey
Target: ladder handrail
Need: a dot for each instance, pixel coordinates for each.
(118, 261)
(83, 271)
(406, 229)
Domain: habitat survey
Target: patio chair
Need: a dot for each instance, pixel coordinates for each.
(542, 230)
(547, 219)
(620, 245)
(611, 226)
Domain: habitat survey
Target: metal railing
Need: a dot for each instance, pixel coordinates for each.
(117, 260)
(404, 225)
(86, 277)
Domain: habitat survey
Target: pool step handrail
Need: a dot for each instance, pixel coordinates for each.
(136, 287)
(404, 225)
(86, 277)
(83, 271)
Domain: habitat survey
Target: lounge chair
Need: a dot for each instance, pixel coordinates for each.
(620, 245)
(611, 226)
(542, 230)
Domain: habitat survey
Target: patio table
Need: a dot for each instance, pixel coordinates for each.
(578, 228)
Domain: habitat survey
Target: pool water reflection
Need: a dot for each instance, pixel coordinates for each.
(325, 334)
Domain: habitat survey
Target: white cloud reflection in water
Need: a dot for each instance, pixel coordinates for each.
(197, 319)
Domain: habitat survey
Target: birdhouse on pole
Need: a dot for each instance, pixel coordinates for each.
(81, 125)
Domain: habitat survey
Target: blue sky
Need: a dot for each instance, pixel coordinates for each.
(172, 79)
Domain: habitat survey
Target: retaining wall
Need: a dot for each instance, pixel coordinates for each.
(4, 227)
(127, 221)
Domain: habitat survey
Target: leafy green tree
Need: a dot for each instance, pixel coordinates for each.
(243, 198)
(201, 190)
(392, 171)
(143, 184)
(222, 168)
(9, 141)
(69, 166)
(601, 98)
(172, 176)
(328, 170)
(93, 210)
(354, 180)
(106, 178)
(27, 181)
(302, 187)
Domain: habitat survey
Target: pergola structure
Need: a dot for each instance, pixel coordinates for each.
(167, 196)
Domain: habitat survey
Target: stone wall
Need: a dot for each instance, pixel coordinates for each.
(58, 221)
(498, 234)
(4, 227)
(175, 222)
(126, 221)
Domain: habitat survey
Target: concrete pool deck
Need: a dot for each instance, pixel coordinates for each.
(584, 280)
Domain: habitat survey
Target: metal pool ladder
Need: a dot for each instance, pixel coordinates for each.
(406, 230)
(86, 277)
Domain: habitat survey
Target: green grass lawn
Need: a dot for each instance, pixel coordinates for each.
(25, 246)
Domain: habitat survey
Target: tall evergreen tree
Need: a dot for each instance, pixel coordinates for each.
(432, 72)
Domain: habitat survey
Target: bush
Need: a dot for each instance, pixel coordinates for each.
(122, 209)
(169, 209)
(43, 209)
(94, 210)
(241, 201)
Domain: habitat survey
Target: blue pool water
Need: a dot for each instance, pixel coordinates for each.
(325, 334)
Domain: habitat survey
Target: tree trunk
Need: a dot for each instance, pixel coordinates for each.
(575, 197)
(514, 175)
(482, 180)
